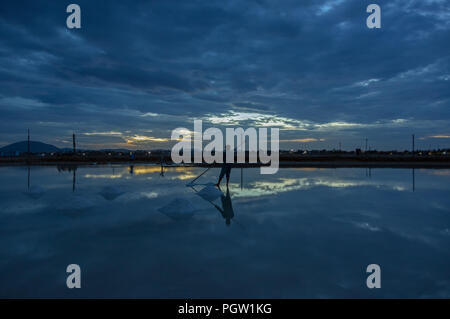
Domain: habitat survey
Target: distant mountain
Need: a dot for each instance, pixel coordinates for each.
(35, 147)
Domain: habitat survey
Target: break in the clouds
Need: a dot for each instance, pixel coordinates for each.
(138, 69)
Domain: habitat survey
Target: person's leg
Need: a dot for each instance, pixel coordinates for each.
(222, 173)
(228, 174)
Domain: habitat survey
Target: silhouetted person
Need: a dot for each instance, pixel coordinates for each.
(162, 165)
(226, 168)
(227, 207)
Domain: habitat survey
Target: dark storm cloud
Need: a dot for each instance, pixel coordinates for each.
(143, 68)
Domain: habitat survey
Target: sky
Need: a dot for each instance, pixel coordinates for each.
(136, 70)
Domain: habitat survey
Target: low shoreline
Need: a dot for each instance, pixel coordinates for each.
(282, 164)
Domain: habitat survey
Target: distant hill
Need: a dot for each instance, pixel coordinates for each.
(35, 147)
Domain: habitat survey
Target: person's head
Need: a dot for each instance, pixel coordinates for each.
(228, 147)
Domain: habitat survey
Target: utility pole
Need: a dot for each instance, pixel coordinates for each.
(74, 143)
(242, 170)
(413, 145)
(366, 144)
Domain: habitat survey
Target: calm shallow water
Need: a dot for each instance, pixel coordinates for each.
(299, 233)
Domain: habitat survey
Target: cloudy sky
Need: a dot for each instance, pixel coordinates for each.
(136, 70)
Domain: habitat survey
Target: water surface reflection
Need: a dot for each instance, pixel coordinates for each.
(139, 231)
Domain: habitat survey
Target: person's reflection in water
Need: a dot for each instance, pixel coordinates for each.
(226, 168)
(227, 207)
